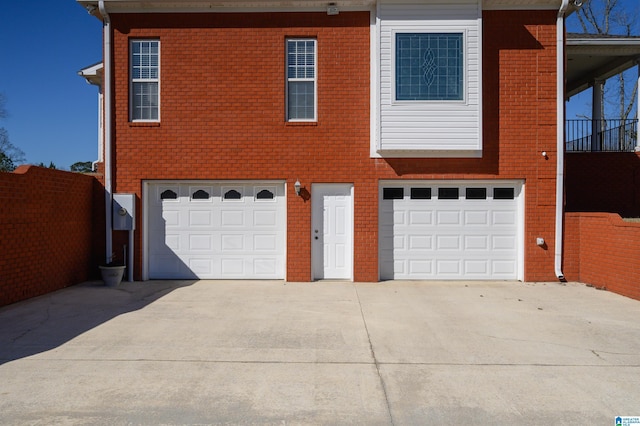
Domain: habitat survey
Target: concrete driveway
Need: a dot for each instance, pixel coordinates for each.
(244, 352)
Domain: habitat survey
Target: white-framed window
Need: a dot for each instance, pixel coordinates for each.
(429, 66)
(145, 80)
(301, 79)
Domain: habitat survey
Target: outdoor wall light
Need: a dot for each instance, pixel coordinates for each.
(296, 186)
(332, 9)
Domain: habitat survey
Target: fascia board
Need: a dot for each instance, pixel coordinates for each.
(168, 6)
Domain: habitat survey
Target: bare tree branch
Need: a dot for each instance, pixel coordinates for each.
(3, 111)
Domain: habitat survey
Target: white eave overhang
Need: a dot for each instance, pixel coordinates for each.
(176, 6)
(92, 73)
(598, 57)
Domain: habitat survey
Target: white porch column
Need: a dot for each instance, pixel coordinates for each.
(596, 116)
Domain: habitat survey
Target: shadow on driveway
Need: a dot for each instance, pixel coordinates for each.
(46, 322)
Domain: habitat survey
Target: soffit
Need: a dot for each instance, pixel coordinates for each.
(93, 73)
(136, 6)
(598, 57)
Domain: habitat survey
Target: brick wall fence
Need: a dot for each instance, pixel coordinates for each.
(601, 249)
(50, 235)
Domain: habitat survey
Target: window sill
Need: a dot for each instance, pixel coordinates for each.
(144, 124)
(301, 123)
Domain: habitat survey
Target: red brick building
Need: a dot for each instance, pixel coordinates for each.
(361, 140)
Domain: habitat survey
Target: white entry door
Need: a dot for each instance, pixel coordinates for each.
(332, 231)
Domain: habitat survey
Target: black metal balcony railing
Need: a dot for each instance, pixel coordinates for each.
(610, 135)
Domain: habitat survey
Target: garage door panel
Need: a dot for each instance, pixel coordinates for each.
(503, 242)
(200, 218)
(265, 242)
(171, 218)
(476, 267)
(232, 242)
(448, 242)
(448, 268)
(233, 218)
(448, 217)
(507, 218)
(201, 266)
(233, 267)
(265, 218)
(399, 218)
(454, 238)
(200, 242)
(476, 217)
(168, 266)
(476, 242)
(202, 234)
(400, 242)
(266, 267)
(420, 242)
(420, 217)
(503, 268)
(420, 266)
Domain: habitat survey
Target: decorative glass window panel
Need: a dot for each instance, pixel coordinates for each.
(145, 80)
(420, 193)
(232, 194)
(200, 195)
(301, 79)
(392, 193)
(503, 193)
(265, 194)
(168, 195)
(429, 67)
(476, 193)
(448, 193)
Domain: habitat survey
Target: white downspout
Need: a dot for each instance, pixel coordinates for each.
(106, 29)
(560, 138)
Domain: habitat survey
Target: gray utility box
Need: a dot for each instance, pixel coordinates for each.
(124, 212)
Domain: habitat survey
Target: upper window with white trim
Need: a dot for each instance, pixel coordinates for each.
(145, 80)
(301, 80)
(429, 67)
(428, 97)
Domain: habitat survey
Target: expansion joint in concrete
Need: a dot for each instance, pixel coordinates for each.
(375, 361)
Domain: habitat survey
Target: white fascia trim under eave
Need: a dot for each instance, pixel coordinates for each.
(227, 6)
(173, 6)
(604, 43)
(93, 74)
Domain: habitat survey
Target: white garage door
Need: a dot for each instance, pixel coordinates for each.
(450, 230)
(216, 230)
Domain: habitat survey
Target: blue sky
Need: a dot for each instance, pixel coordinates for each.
(52, 111)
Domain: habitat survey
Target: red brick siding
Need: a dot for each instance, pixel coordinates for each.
(607, 251)
(47, 234)
(223, 117)
(603, 182)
